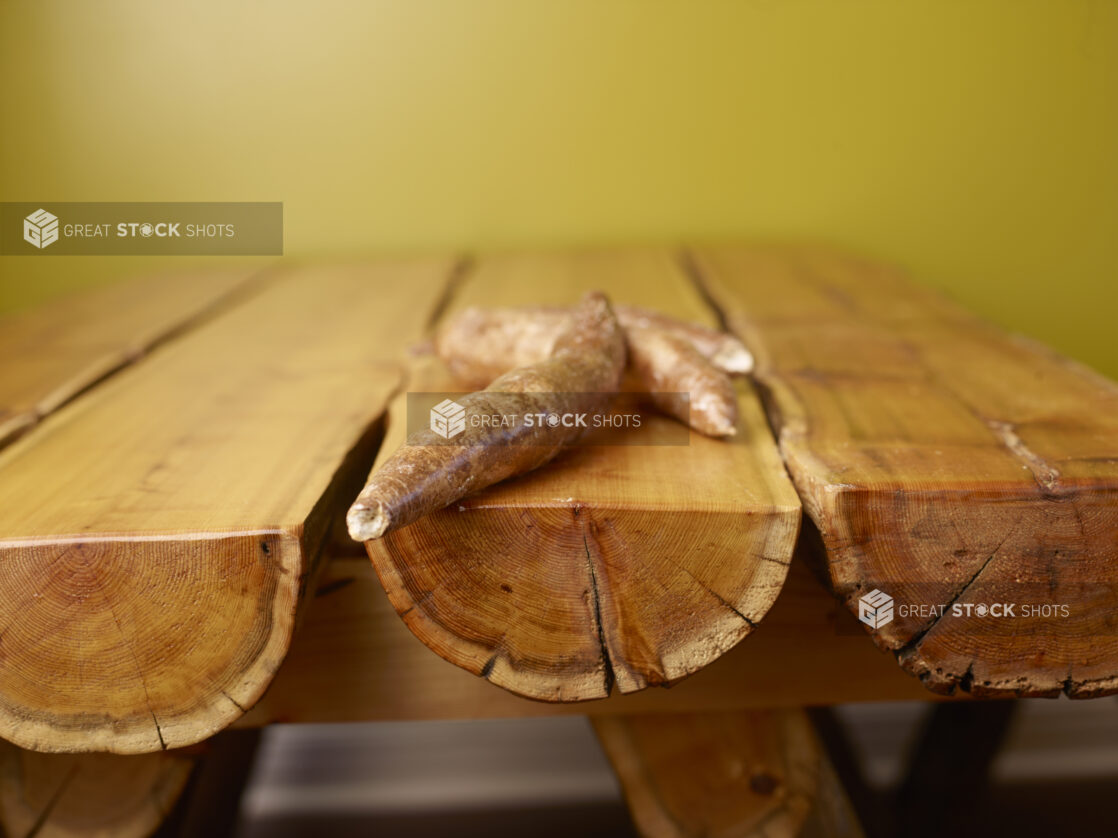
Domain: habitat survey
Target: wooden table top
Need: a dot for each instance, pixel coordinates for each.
(178, 455)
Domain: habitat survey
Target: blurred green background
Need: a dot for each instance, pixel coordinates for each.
(974, 141)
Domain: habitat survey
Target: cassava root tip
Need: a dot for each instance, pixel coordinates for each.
(733, 357)
(365, 522)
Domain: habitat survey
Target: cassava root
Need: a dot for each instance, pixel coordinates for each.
(671, 358)
(681, 382)
(723, 350)
(581, 374)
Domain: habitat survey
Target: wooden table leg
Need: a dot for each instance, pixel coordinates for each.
(187, 793)
(949, 769)
(746, 773)
(46, 795)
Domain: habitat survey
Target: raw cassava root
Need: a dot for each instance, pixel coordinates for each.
(670, 357)
(681, 382)
(723, 350)
(581, 374)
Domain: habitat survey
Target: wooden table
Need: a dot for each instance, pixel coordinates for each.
(180, 451)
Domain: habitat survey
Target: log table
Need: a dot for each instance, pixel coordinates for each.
(178, 455)
(943, 462)
(630, 564)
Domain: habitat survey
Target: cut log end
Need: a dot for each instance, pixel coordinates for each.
(566, 602)
(997, 592)
(131, 646)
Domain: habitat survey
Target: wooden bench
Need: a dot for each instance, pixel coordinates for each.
(180, 454)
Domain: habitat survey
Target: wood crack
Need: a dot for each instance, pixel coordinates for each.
(607, 663)
(131, 354)
(487, 668)
(234, 701)
(908, 649)
(127, 641)
(457, 277)
(721, 600)
(1046, 477)
(155, 721)
(418, 603)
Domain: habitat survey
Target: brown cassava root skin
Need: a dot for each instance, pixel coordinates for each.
(682, 383)
(722, 349)
(479, 345)
(581, 375)
(670, 357)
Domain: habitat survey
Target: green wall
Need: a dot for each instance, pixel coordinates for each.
(975, 141)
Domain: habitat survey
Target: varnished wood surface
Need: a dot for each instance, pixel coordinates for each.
(158, 534)
(51, 353)
(945, 463)
(630, 563)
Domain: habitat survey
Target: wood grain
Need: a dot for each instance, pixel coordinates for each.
(631, 564)
(354, 660)
(51, 353)
(160, 531)
(88, 795)
(944, 462)
(747, 774)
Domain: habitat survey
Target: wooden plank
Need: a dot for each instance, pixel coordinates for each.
(355, 661)
(51, 353)
(746, 774)
(89, 795)
(634, 564)
(159, 533)
(945, 463)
